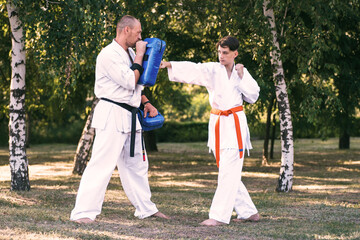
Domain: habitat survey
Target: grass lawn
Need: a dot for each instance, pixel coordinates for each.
(324, 203)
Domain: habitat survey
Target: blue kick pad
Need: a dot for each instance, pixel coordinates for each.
(151, 61)
(151, 123)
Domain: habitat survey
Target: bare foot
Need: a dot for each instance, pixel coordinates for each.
(252, 218)
(84, 220)
(160, 215)
(211, 222)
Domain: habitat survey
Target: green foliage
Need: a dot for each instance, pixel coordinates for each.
(5, 72)
(319, 41)
(324, 74)
(62, 41)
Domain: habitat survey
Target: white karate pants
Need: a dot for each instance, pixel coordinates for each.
(231, 192)
(112, 148)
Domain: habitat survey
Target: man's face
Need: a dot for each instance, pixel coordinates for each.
(226, 56)
(133, 35)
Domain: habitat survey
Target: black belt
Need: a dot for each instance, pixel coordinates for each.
(133, 111)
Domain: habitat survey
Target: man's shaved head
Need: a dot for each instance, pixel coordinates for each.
(126, 21)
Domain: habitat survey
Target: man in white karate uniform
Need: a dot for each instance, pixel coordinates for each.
(118, 70)
(228, 86)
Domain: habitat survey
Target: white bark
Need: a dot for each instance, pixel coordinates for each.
(17, 127)
(286, 129)
(85, 143)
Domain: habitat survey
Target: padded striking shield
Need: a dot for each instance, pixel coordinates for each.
(151, 61)
(151, 123)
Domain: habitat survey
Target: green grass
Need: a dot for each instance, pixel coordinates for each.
(324, 203)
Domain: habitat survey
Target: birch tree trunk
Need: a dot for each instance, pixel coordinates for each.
(17, 124)
(287, 145)
(85, 143)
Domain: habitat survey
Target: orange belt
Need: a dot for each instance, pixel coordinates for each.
(217, 130)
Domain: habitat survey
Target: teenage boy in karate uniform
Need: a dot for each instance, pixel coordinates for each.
(228, 84)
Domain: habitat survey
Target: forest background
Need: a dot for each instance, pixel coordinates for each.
(319, 42)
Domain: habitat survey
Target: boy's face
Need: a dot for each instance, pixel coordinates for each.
(226, 56)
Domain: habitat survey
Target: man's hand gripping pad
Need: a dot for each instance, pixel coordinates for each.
(151, 61)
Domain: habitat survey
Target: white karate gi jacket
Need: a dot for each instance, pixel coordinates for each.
(116, 81)
(224, 94)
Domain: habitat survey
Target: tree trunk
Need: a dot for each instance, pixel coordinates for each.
(17, 123)
(265, 156)
(86, 141)
(287, 145)
(150, 141)
(345, 123)
(273, 133)
(344, 139)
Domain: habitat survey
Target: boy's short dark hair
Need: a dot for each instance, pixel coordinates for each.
(229, 41)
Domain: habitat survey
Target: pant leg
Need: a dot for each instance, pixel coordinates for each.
(244, 206)
(133, 173)
(229, 177)
(107, 148)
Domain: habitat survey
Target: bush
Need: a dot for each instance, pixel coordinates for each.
(198, 131)
(183, 132)
(48, 133)
(67, 133)
(170, 132)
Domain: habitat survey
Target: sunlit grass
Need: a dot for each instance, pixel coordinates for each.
(324, 203)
